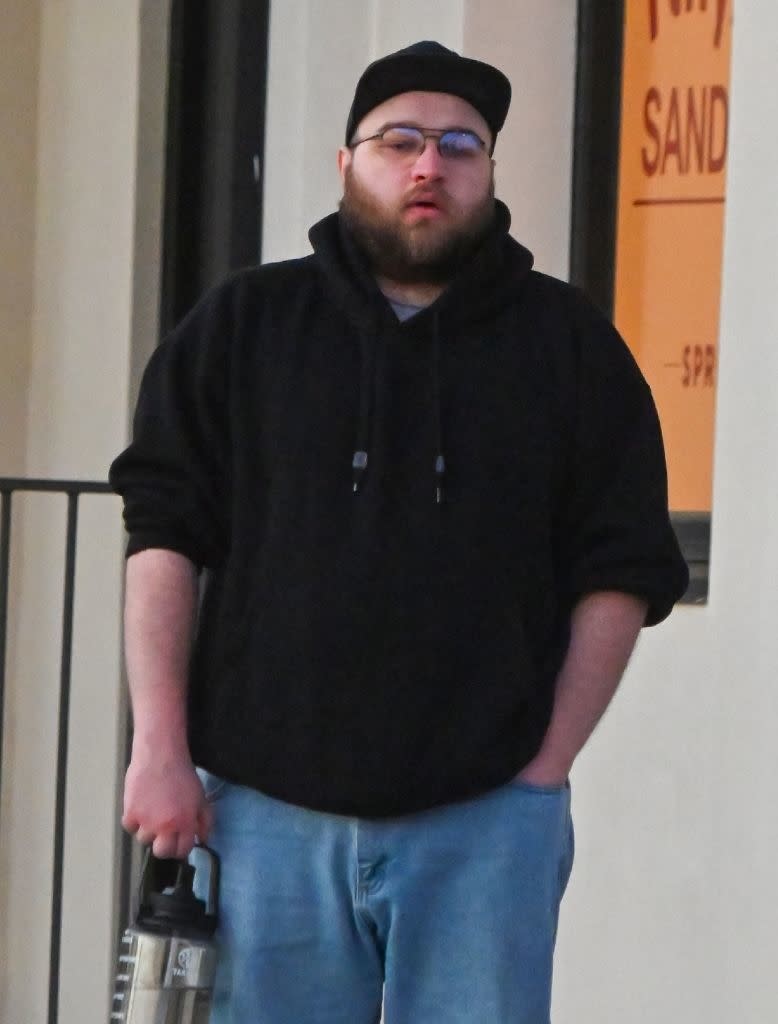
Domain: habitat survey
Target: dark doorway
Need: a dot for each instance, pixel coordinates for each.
(596, 148)
(215, 146)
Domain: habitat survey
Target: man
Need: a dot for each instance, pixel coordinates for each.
(429, 489)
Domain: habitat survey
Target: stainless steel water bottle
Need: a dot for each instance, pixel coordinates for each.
(167, 959)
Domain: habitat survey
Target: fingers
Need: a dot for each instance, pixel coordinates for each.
(184, 844)
(164, 810)
(130, 824)
(177, 845)
(163, 842)
(166, 845)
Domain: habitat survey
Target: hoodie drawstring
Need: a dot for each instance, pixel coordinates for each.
(359, 460)
(440, 461)
(366, 385)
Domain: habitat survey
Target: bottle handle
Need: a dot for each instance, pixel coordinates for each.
(214, 874)
(158, 873)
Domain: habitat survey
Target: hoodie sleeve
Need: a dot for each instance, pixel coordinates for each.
(617, 524)
(173, 477)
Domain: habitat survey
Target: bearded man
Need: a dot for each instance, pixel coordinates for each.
(428, 487)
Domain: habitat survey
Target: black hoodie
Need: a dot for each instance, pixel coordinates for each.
(382, 650)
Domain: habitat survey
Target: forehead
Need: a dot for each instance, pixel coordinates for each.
(427, 109)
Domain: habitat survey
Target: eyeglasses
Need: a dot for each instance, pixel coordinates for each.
(404, 142)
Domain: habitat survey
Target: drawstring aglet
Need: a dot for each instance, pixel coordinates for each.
(440, 472)
(358, 466)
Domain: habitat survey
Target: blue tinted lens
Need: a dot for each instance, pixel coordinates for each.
(459, 144)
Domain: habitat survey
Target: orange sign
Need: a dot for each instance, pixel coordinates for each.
(672, 167)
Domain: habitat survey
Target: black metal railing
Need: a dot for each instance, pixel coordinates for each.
(72, 490)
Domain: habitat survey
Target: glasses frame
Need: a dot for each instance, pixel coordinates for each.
(426, 133)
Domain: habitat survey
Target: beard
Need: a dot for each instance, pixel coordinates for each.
(422, 253)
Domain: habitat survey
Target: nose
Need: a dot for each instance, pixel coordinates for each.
(429, 163)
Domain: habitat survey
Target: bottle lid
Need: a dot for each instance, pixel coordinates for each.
(167, 899)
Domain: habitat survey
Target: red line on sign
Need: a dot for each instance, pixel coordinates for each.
(695, 201)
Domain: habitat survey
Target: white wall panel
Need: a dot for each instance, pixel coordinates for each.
(317, 52)
(533, 42)
(404, 22)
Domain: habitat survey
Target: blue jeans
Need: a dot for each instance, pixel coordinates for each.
(444, 917)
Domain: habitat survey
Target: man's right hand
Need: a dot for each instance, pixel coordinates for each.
(165, 806)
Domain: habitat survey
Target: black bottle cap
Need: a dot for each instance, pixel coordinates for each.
(167, 901)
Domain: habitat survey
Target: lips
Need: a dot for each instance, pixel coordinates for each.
(417, 213)
(425, 202)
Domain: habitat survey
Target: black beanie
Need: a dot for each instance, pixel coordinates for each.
(430, 67)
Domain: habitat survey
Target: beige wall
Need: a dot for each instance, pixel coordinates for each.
(82, 270)
(18, 174)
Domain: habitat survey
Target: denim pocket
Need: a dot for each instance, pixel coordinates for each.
(213, 785)
(531, 787)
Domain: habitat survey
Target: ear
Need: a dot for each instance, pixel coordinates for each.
(344, 161)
